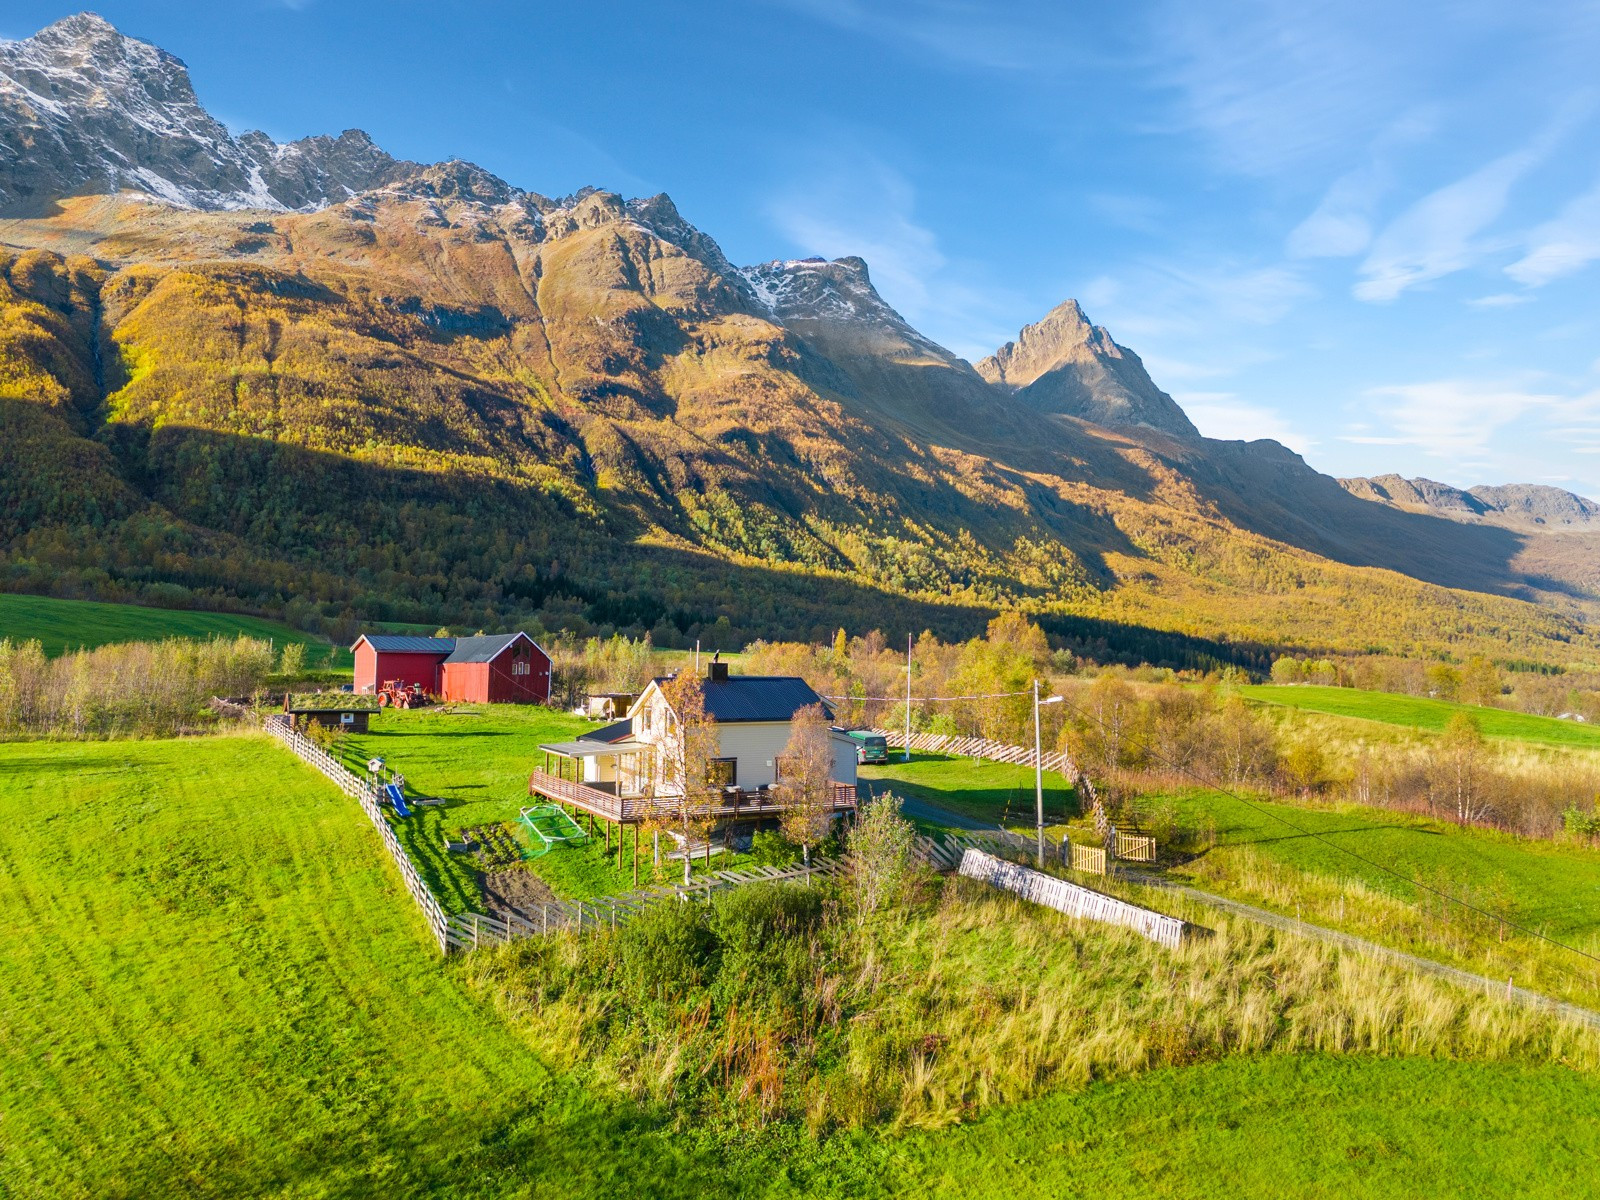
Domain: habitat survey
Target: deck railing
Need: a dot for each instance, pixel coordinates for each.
(627, 810)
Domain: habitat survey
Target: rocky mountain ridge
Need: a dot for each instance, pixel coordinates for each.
(1540, 506)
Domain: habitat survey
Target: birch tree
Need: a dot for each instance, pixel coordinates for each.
(806, 780)
(687, 748)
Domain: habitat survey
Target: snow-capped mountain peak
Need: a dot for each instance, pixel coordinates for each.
(85, 109)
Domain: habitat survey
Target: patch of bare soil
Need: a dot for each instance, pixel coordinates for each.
(513, 887)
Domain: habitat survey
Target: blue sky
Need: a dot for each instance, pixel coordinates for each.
(1371, 230)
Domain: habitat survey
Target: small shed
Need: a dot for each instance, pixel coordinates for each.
(608, 706)
(337, 710)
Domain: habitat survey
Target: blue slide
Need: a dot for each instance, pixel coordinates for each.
(397, 797)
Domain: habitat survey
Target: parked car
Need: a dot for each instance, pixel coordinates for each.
(870, 747)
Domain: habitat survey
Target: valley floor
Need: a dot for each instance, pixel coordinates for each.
(212, 984)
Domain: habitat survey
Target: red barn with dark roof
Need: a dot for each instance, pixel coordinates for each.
(509, 668)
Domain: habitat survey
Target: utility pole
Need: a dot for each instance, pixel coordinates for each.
(1038, 770)
(907, 757)
(1038, 779)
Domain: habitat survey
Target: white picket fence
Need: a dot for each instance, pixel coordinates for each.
(360, 790)
(1073, 900)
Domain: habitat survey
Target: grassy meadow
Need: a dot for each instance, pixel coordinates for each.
(1422, 713)
(213, 984)
(63, 625)
(998, 793)
(475, 760)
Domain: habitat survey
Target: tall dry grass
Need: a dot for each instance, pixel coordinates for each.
(144, 689)
(972, 1000)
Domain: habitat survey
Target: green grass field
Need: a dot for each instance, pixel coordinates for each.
(998, 793)
(1547, 887)
(62, 625)
(212, 984)
(476, 760)
(1553, 888)
(1416, 712)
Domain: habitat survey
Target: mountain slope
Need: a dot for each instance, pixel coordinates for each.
(446, 398)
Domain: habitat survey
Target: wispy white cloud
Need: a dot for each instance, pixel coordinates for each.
(957, 31)
(1441, 233)
(1567, 243)
(1157, 298)
(1436, 235)
(1500, 300)
(1224, 415)
(1270, 84)
(1452, 418)
(1341, 225)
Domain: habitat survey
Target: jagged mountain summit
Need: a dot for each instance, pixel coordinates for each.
(1065, 364)
(87, 110)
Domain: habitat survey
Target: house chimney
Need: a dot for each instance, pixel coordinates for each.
(719, 672)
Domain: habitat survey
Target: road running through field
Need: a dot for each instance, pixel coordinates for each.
(921, 810)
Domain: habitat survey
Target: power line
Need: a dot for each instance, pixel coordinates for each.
(1416, 883)
(902, 699)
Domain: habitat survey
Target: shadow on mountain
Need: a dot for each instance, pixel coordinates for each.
(234, 521)
(1268, 489)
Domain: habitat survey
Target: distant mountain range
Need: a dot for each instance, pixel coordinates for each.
(314, 378)
(1516, 504)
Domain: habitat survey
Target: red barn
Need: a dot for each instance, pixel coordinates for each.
(498, 668)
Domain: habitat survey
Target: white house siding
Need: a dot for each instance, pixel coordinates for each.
(844, 758)
(757, 745)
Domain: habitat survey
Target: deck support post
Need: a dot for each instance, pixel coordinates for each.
(635, 856)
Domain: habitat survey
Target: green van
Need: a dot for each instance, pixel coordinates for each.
(870, 747)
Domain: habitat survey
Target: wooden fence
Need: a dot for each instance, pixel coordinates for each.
(1073, 900)
(354, 786)
(472, 930)
(1118, 843)
(977, 747)
(1091, 860)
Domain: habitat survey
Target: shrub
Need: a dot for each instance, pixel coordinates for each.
(668, 951)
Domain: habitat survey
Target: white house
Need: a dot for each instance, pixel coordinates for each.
(754, 717)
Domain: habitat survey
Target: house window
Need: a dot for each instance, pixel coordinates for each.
(347, 718)
(644, 720)
(722, 772)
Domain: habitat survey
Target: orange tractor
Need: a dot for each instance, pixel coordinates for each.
(398, 694)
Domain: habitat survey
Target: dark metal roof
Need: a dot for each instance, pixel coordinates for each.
(480, 649)
(407, 644)
(614, 732)
(759, 698)
(483, 648)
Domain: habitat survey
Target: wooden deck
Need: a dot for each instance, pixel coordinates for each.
(631, 810)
